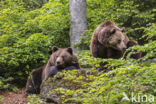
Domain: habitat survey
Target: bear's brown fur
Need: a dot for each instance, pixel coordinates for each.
(108, 41)
(61, 59)
(34, 81)
(136, 54)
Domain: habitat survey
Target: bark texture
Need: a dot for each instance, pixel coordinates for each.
(78, 21)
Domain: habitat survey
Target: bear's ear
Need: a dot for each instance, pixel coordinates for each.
(123, 29)
(70, 50)
(54, 49)
(112, 31)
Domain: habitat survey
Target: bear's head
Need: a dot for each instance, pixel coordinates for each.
(61, 57)
(112, 36)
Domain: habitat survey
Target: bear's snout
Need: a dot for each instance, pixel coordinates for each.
(122, 46)
(59, 61)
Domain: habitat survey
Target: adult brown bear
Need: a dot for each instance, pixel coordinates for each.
(109, 41)
(60, 59)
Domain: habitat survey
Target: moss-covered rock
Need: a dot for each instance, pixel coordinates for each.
(54, 88)
(88, 87)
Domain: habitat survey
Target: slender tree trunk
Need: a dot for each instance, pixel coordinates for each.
(78, 21)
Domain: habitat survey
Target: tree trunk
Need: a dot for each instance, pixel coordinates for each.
(78, 21)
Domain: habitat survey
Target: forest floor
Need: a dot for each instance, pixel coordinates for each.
(10, 97)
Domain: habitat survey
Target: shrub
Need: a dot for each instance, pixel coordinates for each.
(1, 99)
(34, 99)
(4, 84)
(26, 36)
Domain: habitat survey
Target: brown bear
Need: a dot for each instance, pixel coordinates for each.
(108, 41)
(60, 59)
(135, 54)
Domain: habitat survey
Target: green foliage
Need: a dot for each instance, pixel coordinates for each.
(33, 4)
(34, 99)
(26, 36)
(4, 84)
(28, 29)
(135, 15)
(1, 100)
(148, 48)
(87, 86)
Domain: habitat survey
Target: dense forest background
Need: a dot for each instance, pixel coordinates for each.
(29, 28)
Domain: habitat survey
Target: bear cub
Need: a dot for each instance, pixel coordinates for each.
(60, 59)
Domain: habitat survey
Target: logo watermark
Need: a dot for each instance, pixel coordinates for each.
(138, 97)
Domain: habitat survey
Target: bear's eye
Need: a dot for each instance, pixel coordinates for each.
(119, 41)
